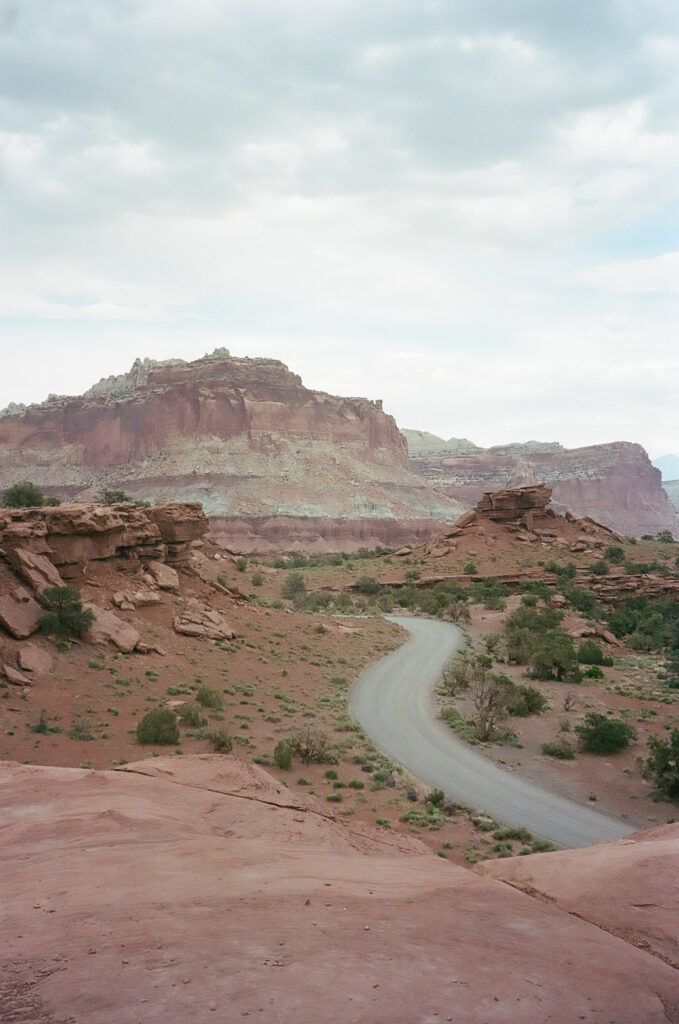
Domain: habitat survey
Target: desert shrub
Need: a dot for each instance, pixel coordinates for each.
(257, 579)
(189, 714)
(220, 741)
(241, 564)
(560, 748)
(24, 494)
(159, 725)
(615, 554)
(309, 744)
(583, 601)
(553, 657)
(593, 672)
(470, 568)
(436, 797)
(602, 735)
(65, 615)
(589, 653)
(367, 585)
(490, 593)
(599, 568)
(526, 700)
(662, 765)
(208, 697)
(294, 587)
(114, 497)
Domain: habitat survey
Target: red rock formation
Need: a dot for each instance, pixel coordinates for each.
(615, 484)
(75, 534)
(202, 889)
(242, 436)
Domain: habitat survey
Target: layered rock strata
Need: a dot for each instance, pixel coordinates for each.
(615, 484)
(242, 436)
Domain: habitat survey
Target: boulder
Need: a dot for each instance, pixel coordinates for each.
(163, 575)
(35, 569)
(200, 621)
(15, 677)
(32, 658)
(107, 627)
(130, 599)
(20, 613)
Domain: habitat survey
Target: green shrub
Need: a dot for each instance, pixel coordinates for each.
(589, 653)
(220, 741)
(560, 748)
(602, 735)
(470, 568)
(294, 587)
(115, 497)
(24, 494)
(158, 726)
(599, 568)
(190, 715)
(367, 585)
(615, 554)
(662, 765)
(282, 755)
(257, 579)
(241, 564)
(65, 616)
(526, 700)
(208, 697)
(593, 672)
(436, 797)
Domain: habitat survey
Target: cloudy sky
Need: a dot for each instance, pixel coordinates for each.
(468, 209)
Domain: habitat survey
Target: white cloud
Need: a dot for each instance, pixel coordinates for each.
(656, 274)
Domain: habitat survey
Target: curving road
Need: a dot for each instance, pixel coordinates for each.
(394, 702)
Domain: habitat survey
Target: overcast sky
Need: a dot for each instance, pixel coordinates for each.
(468, 209)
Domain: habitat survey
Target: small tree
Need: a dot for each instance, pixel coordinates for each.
(66, 616)
(554, 656)
(23, 494)
(294, 588)
(159, 725)
(663, 764)
(602, 735)
(489, 694)
(309, 743)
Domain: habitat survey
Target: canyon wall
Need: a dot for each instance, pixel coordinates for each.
(242, 436)
(616, 484)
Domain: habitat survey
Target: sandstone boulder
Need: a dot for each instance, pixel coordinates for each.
(163, 575)
(35, 569)
(12, 675)
(20, 613)
(32, 658)
(108, 628)
(128, 600)
(200, 621)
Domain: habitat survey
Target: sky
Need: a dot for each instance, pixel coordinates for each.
(467, 209)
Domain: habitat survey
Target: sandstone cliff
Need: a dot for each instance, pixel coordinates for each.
(242, 436)
(616, 484)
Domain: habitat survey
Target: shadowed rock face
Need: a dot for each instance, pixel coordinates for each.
(242, 436)
(615, 484)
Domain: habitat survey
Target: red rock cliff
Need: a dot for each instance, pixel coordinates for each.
(242, 436)
(612, 483)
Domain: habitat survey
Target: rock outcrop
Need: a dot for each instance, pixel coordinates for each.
(203, 889)
(615, 484)
(35, 540)
(242, 436)
(43, 547)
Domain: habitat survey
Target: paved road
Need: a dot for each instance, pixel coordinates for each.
(394, 702)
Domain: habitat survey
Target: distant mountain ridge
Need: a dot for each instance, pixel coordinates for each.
(616, 484)
(668, 466)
